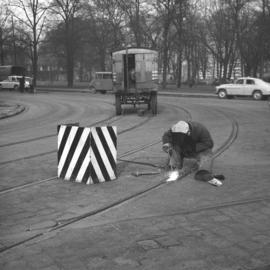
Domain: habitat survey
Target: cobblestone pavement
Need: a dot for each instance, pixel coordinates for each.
(229, 231)
(235, 237)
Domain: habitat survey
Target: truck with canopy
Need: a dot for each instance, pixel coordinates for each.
(135, 78)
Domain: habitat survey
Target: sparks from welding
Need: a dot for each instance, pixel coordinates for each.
(173, 176)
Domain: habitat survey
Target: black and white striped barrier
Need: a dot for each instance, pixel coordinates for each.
(87, 154)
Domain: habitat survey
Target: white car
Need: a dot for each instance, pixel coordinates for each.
(13, 83)
(245, 86)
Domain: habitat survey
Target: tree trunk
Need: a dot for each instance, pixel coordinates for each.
(35, 62)
(165, 54)
(179, 69)
(69, 54)
(1, 47)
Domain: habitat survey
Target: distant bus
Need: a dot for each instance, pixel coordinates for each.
(6, 71)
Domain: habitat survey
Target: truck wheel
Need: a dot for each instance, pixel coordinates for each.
(16, 87)
(153, 102)
(118, 105)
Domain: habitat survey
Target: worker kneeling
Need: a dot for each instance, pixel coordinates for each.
(191, 140)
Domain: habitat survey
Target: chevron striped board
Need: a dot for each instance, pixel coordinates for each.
(87, 154)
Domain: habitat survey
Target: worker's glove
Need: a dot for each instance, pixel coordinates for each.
(166, 147)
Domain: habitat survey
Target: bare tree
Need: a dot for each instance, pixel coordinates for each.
(67, 10)
(33, 20)
(105, 28)
(134, 19)
(109, 13)
(4, 29)
(218, 35)
(181, 12)
(166, 11)
(179, 29)
(264, 33)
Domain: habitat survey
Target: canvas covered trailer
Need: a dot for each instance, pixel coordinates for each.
(135, 77)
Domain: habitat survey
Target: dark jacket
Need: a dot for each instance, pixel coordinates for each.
(189, 145)
(22, 83)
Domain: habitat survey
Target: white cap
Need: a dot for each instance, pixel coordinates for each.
(181, 127)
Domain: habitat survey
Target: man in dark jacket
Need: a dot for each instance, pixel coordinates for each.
(22, 84)
(190, 140)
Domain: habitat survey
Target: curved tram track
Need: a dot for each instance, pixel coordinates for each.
(63, 223)
(111, 119)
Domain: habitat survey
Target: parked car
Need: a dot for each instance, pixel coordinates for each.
(102, 82)
(13, 83)
(245, 86)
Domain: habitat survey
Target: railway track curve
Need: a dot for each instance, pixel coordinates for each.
(64, 223)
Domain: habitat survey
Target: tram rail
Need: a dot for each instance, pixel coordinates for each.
(64, 223)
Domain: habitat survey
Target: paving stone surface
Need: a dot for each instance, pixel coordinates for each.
(226, 236)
